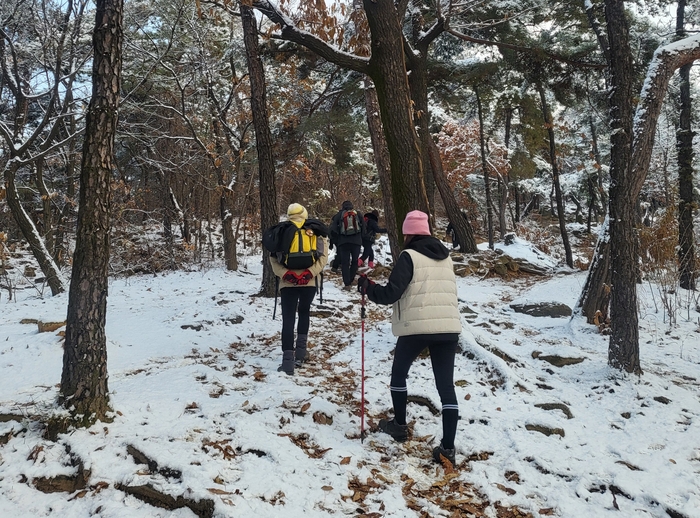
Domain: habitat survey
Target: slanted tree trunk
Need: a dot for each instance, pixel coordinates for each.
(41, 253)
(484, 167)
(684, 145)
(84, 379)
(549, 123)
(595, 296)
(263, 138)
(461, 224)
(381, 160)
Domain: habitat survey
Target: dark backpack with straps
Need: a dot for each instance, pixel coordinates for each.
(295, 247)
(277, 241)
(349, 223)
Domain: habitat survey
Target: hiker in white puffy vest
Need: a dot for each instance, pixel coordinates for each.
(348, 227)
(298, 286)
(423, 289)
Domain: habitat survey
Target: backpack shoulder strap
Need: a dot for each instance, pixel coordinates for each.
(318, 226)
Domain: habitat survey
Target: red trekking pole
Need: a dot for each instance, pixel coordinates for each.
(362, 403)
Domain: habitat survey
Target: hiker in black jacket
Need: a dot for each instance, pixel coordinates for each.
(452, 232)
(423, 289)
(370, 236)
(349, 226)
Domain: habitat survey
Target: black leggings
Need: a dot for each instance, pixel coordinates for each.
(442, 358)
(368, 251)
(291, 298)
(349, 253)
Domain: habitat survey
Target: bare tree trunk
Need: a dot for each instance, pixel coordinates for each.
(61, 252)
(387, 69)
(84, 379)
(227, 231)
(592, 180)
(504, 182)
(418, 84)
(46, 207)
(623, 352)
(381, 159)
(549, 123)
(684, 145)
(484, 167)
(269, 214)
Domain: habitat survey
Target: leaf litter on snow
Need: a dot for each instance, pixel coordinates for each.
(210, 404)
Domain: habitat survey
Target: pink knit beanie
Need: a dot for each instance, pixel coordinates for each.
(416, 224)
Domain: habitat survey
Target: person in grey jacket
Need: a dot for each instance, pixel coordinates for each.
(423, 290)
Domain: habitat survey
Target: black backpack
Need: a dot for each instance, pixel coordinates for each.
(279, 238)
(349, 223)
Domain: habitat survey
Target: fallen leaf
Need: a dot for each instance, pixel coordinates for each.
(327, 488)
(468, 397)
(346, 460)
(446, 480)
(547, 511)
(672, 460)
(305, 407)
(101, 485)
(506, 489)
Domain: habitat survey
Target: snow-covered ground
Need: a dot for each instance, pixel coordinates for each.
(193, 359)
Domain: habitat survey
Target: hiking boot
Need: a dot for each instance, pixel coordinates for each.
(371, 264)
(348, 287)
(334, 269)
(287, 363)
(301, 353)
(398, 431)
(439, 453)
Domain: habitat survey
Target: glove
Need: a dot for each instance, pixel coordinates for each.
(304, 278)
(363, 284)
(291, 277)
